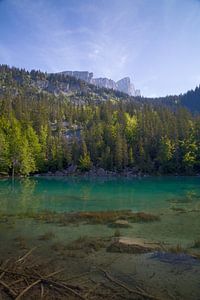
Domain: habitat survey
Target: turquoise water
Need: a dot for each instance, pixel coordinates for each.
(68, 194)
(175, 199)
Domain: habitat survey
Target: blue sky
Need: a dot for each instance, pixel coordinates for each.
(155, 42)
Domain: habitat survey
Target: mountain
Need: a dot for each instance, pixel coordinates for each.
(51, 122)
(15, 82)
(83, 75)
(123, 85)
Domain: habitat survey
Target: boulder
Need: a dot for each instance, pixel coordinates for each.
(59, 173)
(128, 245)
(101, 172)
(120, 224)
(71, 169)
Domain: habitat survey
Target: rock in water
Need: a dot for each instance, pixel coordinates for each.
(120, 224)
(128, 245)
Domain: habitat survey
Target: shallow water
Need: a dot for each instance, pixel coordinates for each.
(175, 199)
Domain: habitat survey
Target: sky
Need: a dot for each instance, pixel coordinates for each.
(154, 42)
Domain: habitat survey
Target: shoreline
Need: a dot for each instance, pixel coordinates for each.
(118, 175)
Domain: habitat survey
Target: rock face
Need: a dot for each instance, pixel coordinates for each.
(123, 85)
(82, 75)
(105, 82)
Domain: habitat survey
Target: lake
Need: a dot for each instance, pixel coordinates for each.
(79, 194)
(176, 200)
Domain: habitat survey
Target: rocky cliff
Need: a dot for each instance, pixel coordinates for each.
(105, 82)
(82, 75)
(123, 85)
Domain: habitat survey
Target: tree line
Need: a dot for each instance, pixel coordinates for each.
(114, 134)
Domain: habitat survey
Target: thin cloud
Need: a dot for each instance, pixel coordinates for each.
(153, 43)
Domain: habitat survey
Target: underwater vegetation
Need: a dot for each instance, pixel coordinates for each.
(99, 217)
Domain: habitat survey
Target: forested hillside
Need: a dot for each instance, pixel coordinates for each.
(189, 100)
(48, 123)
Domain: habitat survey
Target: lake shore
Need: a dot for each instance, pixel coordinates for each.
(96, 172)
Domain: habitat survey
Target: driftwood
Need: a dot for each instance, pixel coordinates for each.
(20, 280)
(10, 291)
(137, 291)
(31, 278)
(27, 289)
(26, 255)
(44, 280)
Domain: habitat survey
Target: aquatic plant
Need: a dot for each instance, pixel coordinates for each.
(178, 209)
(117, 233)
(87, 244)
(21, 242)
(93, 217)
(196, 244)
(47, 236)
(176, 249)
(144, 217)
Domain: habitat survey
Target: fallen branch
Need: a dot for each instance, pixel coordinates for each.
(2, 274)
(69, 287)
(26, 255)
(42, 291)
(119, 283)
(64, 286)
(27, 289)
(9, 289)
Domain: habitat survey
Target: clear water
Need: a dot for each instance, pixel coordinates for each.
(68, 194)
(175, 199)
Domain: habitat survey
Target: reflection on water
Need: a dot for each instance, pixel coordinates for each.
(175, 199)
(68, 194)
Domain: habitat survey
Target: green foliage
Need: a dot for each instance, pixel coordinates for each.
(41, 132)
(85, 163)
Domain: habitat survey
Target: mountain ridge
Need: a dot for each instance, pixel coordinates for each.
(80, 91)
(123, 85)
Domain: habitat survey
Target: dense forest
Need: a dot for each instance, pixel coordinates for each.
(48, 123)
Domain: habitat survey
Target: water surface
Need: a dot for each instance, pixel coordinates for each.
(175, 199)
(75, 194)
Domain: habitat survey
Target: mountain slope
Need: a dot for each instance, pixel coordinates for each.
(14, 81)
(51, 122)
